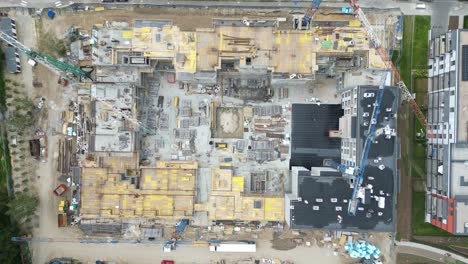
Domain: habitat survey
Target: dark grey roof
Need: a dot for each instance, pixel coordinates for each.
(383, 181)
(310, 143)
(12, 60)
(311, 188)
(6, 25)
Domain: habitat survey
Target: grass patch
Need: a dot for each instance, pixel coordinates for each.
(418, 224)
(405, 59)
(419, 151)
(421, 28)
(50, 45)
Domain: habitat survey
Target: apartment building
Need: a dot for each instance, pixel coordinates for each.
(447, 143)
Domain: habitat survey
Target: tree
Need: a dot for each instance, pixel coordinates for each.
(22, 206)
(9, 251)
(23, 103)
(21, 121)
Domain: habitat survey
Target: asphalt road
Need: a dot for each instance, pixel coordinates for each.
(440, 16)
(407, 7)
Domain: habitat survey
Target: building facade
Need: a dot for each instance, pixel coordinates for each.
(447, 144)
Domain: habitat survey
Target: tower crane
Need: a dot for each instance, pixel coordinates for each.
(359, 172)
(62, 68)
(406, 94)
(311, 11)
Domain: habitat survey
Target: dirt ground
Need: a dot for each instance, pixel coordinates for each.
(56, 97)
(191, 19)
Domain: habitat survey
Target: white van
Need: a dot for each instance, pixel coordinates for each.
(420, 6)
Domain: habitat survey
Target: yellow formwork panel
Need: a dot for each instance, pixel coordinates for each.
(355, 23)
(249, 212)
(221, 207)
(237, 184)
(221, 179)
(164, 205)
(184, 203)
(127, 34)
(274, 208)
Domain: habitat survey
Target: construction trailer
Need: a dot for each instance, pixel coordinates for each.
(234, 246)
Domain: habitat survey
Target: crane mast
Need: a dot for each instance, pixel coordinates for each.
(354, 202)
(310, 11)
(406, 94)
(62, 68)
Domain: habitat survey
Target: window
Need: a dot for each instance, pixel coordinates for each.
(452, 109)
(452, 92)
(465, 63)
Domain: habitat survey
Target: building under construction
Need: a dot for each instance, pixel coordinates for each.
(197, 125)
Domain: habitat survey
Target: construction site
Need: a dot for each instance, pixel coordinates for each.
(220, 131)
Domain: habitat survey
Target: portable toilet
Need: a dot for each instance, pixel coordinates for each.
(51, 13)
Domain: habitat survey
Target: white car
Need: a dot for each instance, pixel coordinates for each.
(369, 95)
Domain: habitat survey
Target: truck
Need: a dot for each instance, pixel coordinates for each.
(234, 246)
(62, 219)
(60, 189)
(220, 145)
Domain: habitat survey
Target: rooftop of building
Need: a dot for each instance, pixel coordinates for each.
(325, 198)
(331, 193)
(12, 59)
(227, 200)
(260, 44)
(8, 26)
(310, 141)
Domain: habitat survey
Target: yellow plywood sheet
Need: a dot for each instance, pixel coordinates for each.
(274, 208)
(238, 184)
(221, 179)
(127, 34)
(100, 8)
(105, 195)
(354, 23)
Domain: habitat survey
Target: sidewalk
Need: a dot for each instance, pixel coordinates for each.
(420, 248)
